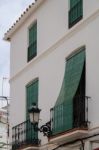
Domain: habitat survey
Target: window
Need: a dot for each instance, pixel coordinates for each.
(75, 12)
(31, 97)
(32, 94)
(69, 110)
(23, 134)
(32, 49)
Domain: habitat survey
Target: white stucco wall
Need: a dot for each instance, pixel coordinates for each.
(90, 6)
(49, 30)
(50, 66)
(52, 20)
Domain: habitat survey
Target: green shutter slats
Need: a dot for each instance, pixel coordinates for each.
(32, 49)
(32, 33)
(73, 3)
(63, 110)
(76, 12)
(32, 97)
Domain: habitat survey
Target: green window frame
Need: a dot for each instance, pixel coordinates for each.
(32, 48)
(31, 97)
(75, 12)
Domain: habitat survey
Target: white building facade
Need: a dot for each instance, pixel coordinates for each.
(54, 59)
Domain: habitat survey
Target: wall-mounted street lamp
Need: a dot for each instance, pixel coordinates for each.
(34, 113)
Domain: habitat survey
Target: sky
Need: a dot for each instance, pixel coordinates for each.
(10, 10)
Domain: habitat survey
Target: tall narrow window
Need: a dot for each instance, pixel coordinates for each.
(69, 110)
(75, 12)
(31, 97)
(32, 49)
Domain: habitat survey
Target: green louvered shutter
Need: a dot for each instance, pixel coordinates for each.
(32, 49)
(32, 97)
(63, 110)
(75, 12)
(73, 3)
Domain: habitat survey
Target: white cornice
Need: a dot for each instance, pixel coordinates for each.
(79, 26)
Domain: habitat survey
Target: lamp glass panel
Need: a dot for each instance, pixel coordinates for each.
(31, 117)
(36, 117)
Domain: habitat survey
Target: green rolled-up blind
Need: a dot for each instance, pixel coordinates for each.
(63, 110)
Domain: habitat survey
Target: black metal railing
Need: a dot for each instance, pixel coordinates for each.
(32, 50)
(76, 114)
(80, 112)
(76, 13)
(23, 135)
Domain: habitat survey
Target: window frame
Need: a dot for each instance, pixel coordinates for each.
(30, 26)
(80, 16)
(34, 133)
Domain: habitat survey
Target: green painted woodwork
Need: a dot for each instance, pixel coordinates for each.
(76, 11)
(33, 33)
(32, 97)
(73, 3)
(63, 110)
(32, 49)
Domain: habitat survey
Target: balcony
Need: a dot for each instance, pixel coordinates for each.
(75, 13)
(77, 127)
(23, 136)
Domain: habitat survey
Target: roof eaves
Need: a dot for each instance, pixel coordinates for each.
(21, 19)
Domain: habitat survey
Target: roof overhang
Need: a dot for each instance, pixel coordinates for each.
(69, 136)
(30, 10)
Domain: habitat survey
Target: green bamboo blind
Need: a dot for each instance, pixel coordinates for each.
(63, 110)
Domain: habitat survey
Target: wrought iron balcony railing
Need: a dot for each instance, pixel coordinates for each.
(24, 135)
(78, 118)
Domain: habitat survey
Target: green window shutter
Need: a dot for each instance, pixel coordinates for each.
(75, 12)
(32, 97)
(32, 49)
(33, 33)
(63, 110)
(73, 3)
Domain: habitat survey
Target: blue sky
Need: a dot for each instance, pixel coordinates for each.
(10, 10)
